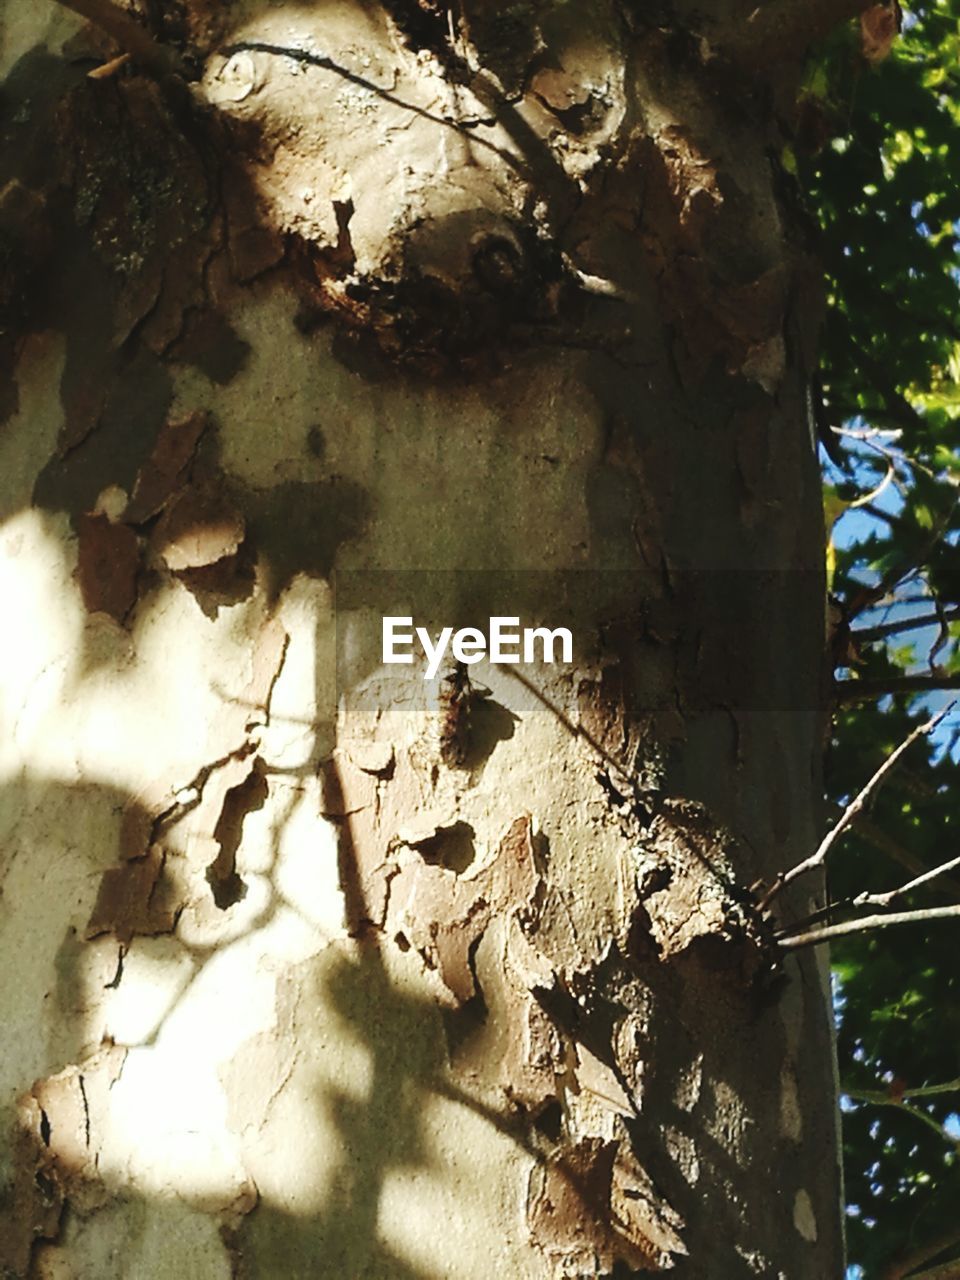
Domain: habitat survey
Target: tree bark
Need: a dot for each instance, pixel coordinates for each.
(323, 968)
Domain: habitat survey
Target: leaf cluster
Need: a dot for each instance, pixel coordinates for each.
(883, 172)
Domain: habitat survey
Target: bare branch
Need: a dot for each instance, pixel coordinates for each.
(818, 857)
(921, 1091)
(864, 690)
(942, 1271)
(865, 923)
(930, 1090)
(867, 634)
(943, 635)
(902, 411)
(131, 36)
(948, 886)
(867, 900)
(904, 1265)
(881, 1099)
(908, 566)
(884, 899)
(869, 433)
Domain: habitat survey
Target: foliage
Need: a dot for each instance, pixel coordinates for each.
(886, 188)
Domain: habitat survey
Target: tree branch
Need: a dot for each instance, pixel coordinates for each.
(930, 1090)
(863, 690)
(867, 899)
(880, 839)
(942, 1271)
(915, 563)
(881, 1099)
(131, 36)
(904, 1267)
(866, 635)
(879, 514)
(884, 899)
(921, 1091)
(819, 936)
(818, 857)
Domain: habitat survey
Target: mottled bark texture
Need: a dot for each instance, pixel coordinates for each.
(311, 967)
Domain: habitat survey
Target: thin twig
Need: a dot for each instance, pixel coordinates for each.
(131, 36)
(881, 1099)
(930, 1090)
(868, 830)
(865, 635)
(879, 514)
(903, 1266)
(865, 923)
(884, 899)
(867, 899)
(817, 858)
(946, 885)
(908, 566)
(865, 499)
(942, 1271)
(901, 410)
(921, 1091)
(864, 690)
(943, 635)
(869, 433)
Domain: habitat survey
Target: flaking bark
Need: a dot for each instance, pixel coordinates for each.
(457, 312)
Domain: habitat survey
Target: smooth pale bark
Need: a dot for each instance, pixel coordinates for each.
(320, 968)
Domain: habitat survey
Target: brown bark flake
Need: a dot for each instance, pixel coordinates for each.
(167, 468)
(585, 1212)
(107, 566)
(200, 528)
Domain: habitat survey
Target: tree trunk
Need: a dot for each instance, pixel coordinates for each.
(316, 966)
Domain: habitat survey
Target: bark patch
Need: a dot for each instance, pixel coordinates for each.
(107, 566)
(445, 915)
(55, 1152)
(591, 1207)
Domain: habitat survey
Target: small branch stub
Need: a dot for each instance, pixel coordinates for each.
(131, 36)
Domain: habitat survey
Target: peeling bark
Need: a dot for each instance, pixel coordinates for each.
(405, 310)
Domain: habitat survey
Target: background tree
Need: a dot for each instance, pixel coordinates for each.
(883, 175)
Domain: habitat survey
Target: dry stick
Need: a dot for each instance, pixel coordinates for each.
(867, 634)
(879, 1099)
(884, 899)
(130, 35)
(873, 510)
(884, 1096)
(903, 1266)
(943, 635)
(868, 899)
(817, 858)
(909, 565)
(864, 690)
(930, 1090)
(868, 596)
(947, 885)
(818, 936)
(943, 1271)
(869, 433)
